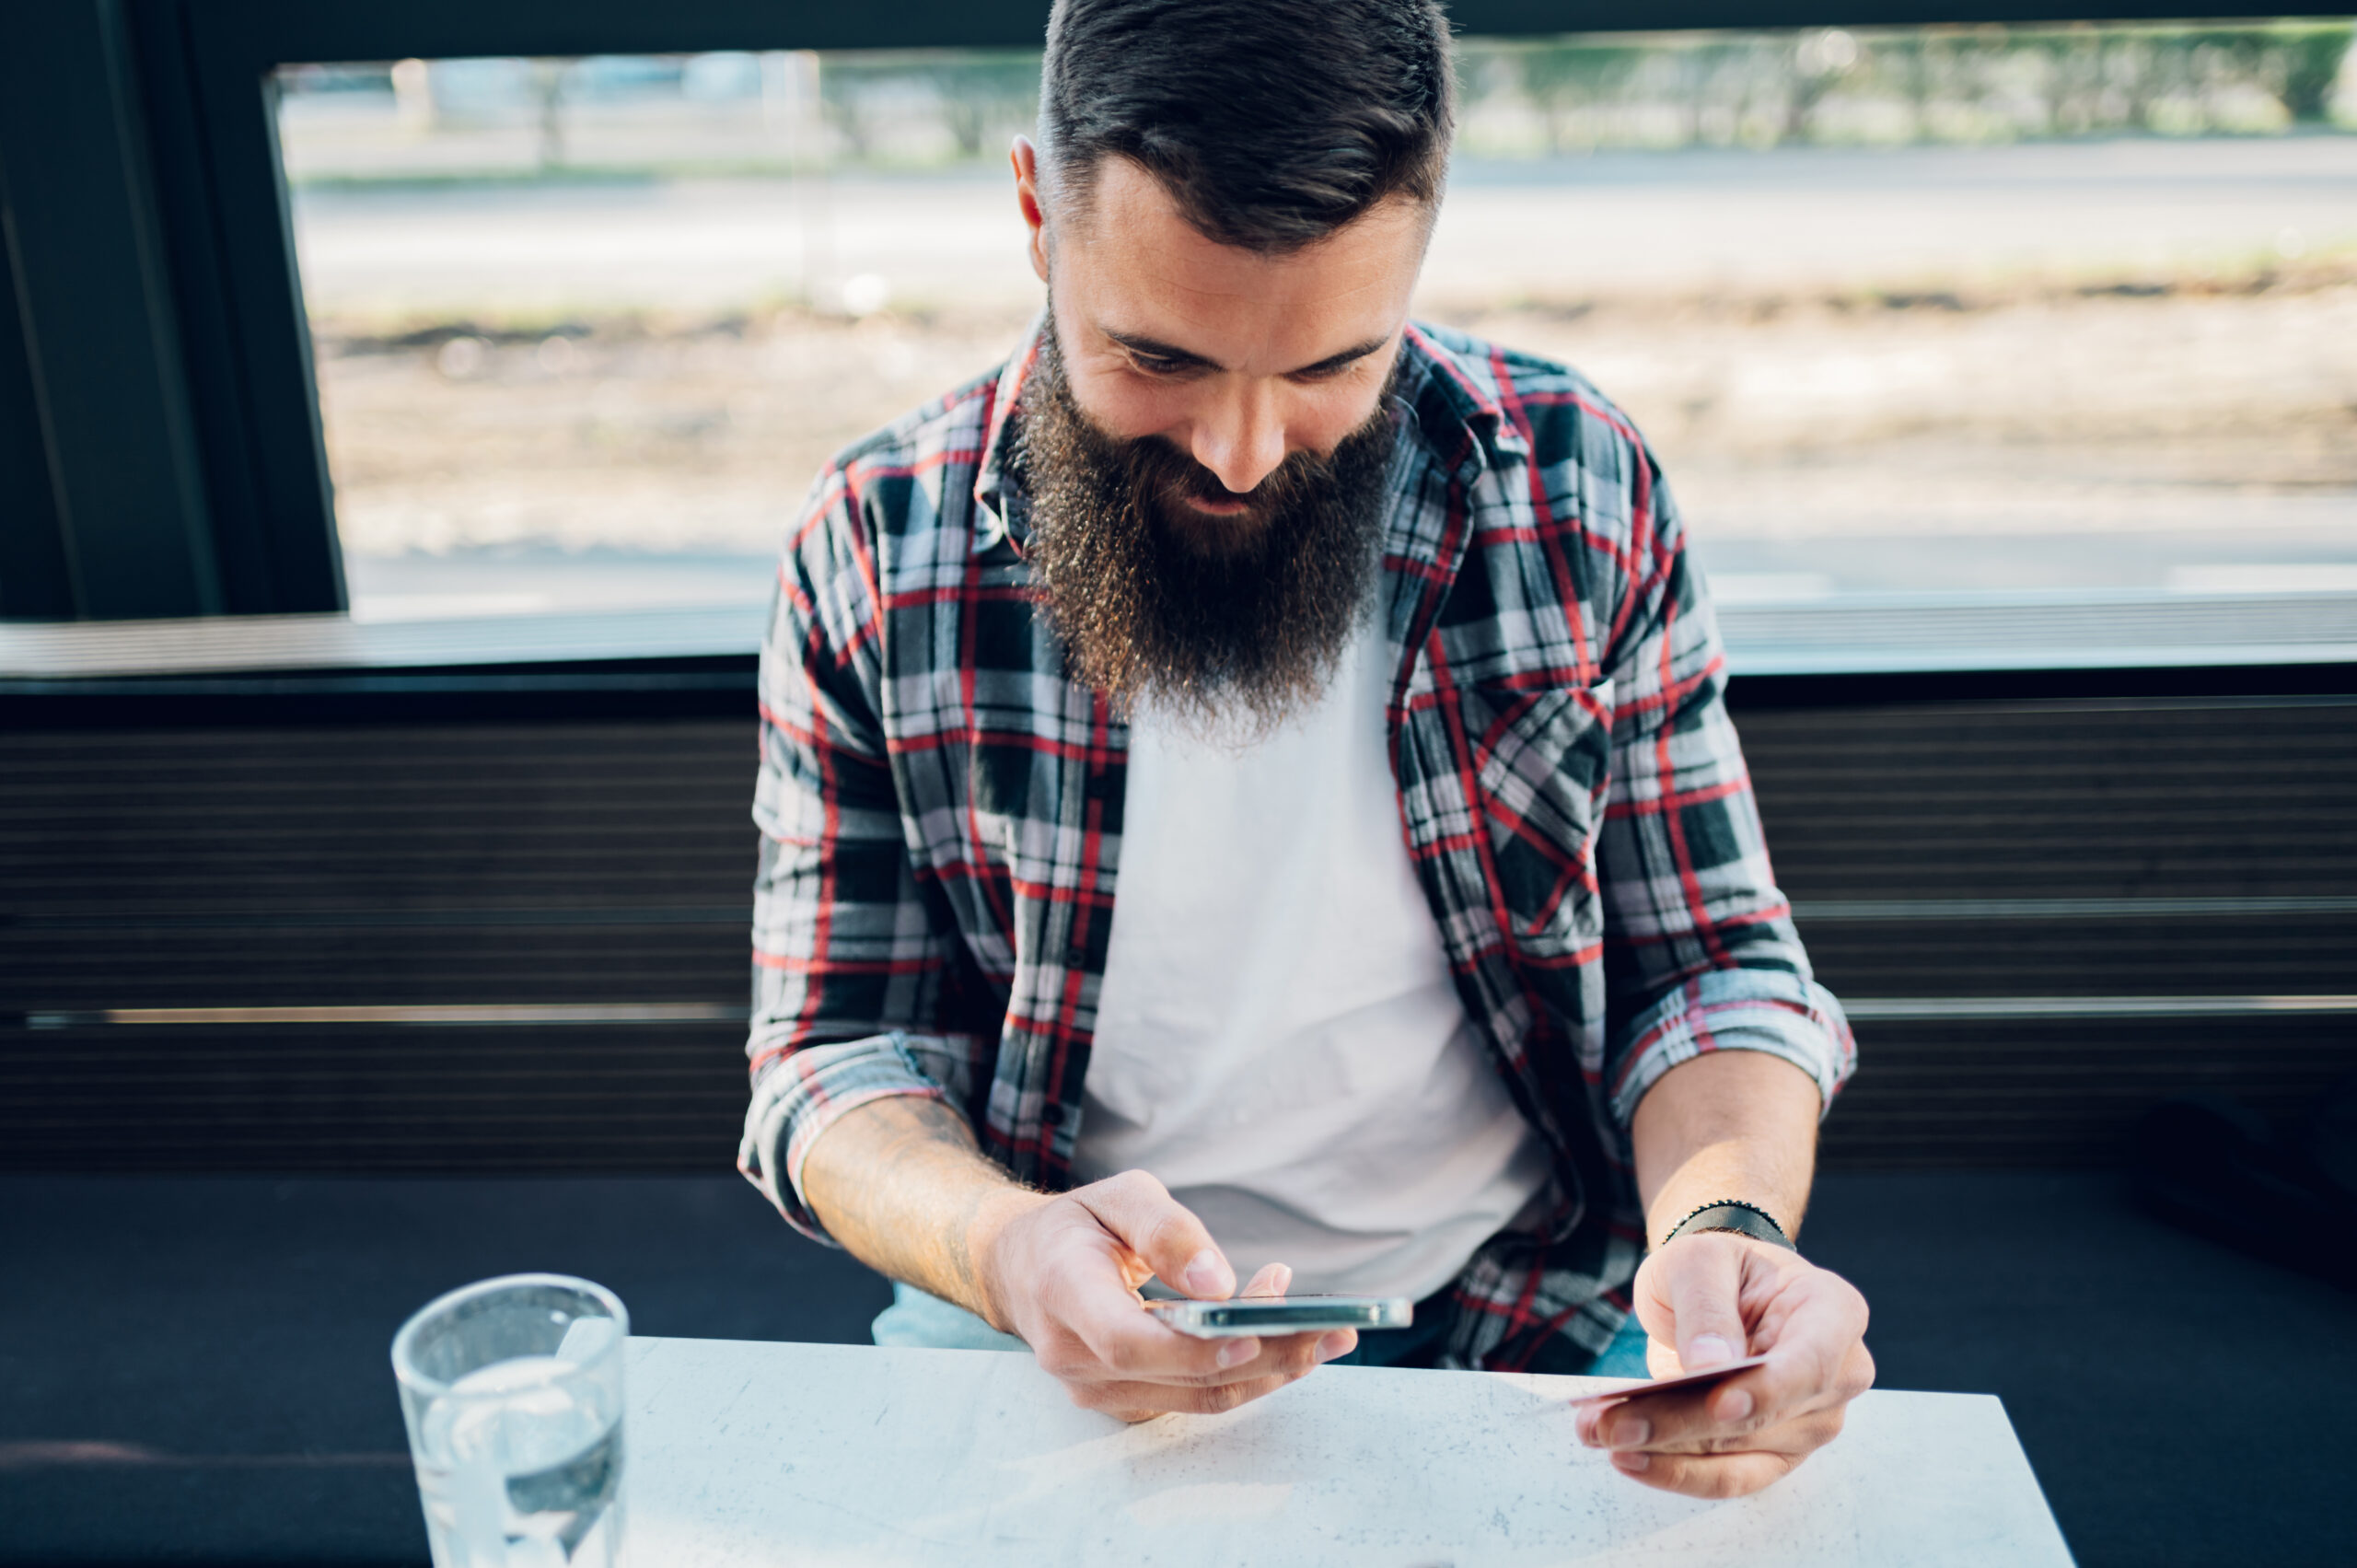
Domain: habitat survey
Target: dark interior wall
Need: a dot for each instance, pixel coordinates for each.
(1943, 857)
(97, 320)
(33, 552)
(2181, 853)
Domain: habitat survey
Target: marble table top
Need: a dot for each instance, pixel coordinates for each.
(753, 1455)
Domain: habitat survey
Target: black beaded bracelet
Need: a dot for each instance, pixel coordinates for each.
(1735, 1215)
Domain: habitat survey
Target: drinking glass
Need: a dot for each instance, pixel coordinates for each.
(513, 1391)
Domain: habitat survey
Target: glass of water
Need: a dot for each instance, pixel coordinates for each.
(513, 1391)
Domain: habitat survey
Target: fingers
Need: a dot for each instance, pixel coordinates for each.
(1704, 1285)
(1728, 1415)
(1730, 1467)
(1740, 1434)
(1632, 1429)
(1107, 1332)
(1818, 1324)
(1141, 1212)
(1690, 1417)
(1090, 1329)
(1278, 1363)
(1100, 1311)
(1280, 1355)
(1732, 1475)
(1142, 1401)
(1108, 1337)
(1816, 1359)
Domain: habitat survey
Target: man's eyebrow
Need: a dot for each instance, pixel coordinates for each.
(1350, 356)
(1154, 348)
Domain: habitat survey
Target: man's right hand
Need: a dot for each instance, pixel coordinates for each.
(899, 1182)
(1062, 1271)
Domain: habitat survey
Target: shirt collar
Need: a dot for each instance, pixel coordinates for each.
(1454, 413)
(995, 496)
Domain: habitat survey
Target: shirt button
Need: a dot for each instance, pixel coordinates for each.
(1052, 1114)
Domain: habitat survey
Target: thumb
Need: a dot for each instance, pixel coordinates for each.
(1142, 1215)
(1704, 1284)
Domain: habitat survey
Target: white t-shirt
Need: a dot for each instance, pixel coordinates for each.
(1278, 1039)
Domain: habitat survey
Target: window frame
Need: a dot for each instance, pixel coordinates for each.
(207, 490)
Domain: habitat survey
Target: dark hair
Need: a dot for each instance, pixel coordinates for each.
(1270, 122)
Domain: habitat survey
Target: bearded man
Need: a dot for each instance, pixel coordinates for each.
(1245, 790)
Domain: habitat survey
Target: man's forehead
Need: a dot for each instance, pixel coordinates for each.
(1133, 241)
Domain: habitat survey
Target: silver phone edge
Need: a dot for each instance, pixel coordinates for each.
(1397, 1313)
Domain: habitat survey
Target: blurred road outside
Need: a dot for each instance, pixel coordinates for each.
(2112, 361)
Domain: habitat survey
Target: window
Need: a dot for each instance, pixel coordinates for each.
(1925, 310)
(585, 329)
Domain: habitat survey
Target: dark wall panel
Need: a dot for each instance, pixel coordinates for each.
(2064, 1092)
(327, 817)
(2207, 845)
(2083, 799)
(605, 1097)
(33, 580)
(100, 328)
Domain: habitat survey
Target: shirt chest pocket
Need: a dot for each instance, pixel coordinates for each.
(1541, 766)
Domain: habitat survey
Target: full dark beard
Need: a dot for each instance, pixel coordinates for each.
(1216, 617)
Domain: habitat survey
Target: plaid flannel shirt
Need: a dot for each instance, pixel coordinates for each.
(940, 809)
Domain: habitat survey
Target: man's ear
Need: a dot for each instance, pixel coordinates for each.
(1026, 160)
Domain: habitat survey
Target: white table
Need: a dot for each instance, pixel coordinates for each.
(743, 1455)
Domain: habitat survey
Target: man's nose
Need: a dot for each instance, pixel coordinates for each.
(1242, 440)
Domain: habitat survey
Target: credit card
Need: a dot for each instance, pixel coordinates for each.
(1703, 1378)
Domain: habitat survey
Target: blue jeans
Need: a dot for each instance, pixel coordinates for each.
(927, 1323)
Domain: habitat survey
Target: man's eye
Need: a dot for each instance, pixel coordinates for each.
(1153, 364)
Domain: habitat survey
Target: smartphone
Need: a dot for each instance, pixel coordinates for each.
(1243, 1315)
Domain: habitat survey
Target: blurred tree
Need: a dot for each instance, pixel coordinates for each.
(845, 85)
(2311, 58)
(2073, 71)
(981, 91)
(1711, 69)
(1485, 70)
(1931, 82)
(1908, 60)
(2129, 73)
(548, 96)
(1820, 59)
(1560, 78)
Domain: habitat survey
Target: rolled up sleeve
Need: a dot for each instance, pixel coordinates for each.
(1782, 1014)
(801, 1093)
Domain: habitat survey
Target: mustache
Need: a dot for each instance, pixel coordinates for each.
(1163, 477)
(1175, 474)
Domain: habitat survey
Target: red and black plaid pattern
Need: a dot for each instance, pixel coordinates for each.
(940, 807)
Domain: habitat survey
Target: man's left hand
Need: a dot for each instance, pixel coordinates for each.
(1716, 1296)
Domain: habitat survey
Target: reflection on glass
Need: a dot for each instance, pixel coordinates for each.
(1911, 309)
